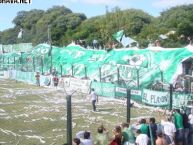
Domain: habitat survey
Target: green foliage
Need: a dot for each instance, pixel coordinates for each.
(179, 19)
(9, 36)
(66, 26)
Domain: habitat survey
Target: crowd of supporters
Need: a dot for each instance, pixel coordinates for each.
(175, 128)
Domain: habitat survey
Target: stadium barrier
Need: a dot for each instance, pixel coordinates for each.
(146, 96)
(4, 75)
(22, 76)
(104, 89)
(81, 85)
(157, 98)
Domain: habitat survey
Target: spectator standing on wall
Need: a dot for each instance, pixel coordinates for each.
(95, 44)
(37, 76)
(55, 80)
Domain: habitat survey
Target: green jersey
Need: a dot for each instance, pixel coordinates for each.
(144, 129)
(178, 121)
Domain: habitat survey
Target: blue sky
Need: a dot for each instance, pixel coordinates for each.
(89, 7)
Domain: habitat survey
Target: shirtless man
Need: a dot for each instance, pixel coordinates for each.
(160, 139)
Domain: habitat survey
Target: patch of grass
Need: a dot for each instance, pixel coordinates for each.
(38, 114)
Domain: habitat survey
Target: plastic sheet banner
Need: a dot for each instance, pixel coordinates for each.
(147, 62)
(12, 74)
(64, 82)
(122, 92)
(80, 84)
(180, 99)
(28, 77)
(155, 98)
(1, 48)
(104, 89)
(22, 47)
(4, 74)
(45, 80)
(1, 74)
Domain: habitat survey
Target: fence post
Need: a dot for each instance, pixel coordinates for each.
(42, 63)
(69, 120)
(51, 60)
(151, 135)
(171, 94)
(8, 63)
(162, 78)
(128, 105)
(72, 69)
(61, 70)
(118, 75)
(85, 70)
(21, 61)
(138, 78)
(34, 64)
(3, 62)
(100, 74)
(14, 62)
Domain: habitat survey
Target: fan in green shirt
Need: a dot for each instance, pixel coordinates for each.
(102, 137)
(128, 134)
(144, 127)
(178, 119)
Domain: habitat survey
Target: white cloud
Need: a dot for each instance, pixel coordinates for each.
(170, 3)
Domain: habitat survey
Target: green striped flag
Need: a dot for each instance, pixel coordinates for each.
(118, 35)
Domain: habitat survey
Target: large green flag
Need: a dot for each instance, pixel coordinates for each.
(118, 35)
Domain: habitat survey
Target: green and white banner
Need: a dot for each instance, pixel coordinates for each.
(80, 84)
(104, 89)
(180, 99)
(155, 98)
(122, 92)
(145, 65)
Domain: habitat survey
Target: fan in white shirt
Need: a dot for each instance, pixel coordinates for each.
(142, 139)
(85, 138)
(169, 128)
